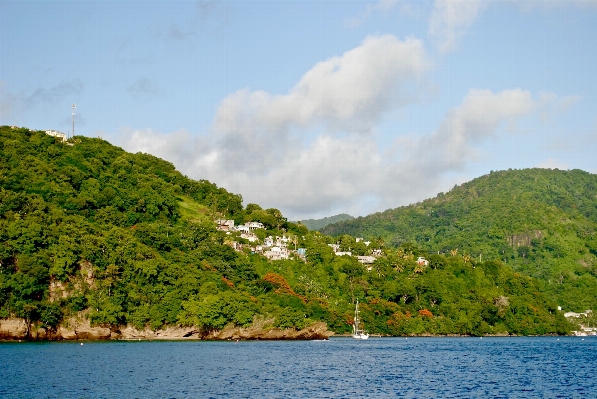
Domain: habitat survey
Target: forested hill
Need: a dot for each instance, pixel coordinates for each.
(540, 221)
(91, 232)
(318, 224)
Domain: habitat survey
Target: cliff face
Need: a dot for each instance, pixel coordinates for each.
(13, 329)
(79, 329)
(16, 329)
(317, 330)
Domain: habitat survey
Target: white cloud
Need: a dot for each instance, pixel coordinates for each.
(552, 163)
(344, 94)
(552, 105)
(345, 173)
(313, 151)
(450, 20)
(479, 116)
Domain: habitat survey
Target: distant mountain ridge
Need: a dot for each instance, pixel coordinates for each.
(317, 224)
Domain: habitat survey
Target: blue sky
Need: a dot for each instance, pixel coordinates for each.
(315, 108)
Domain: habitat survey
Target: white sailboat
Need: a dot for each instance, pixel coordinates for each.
(357, 332)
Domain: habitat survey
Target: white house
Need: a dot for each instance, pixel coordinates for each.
(276, 253)
(348, 253)
(225, 225)
(422, 261)
(586, 313)
(56, 133)
(249, 236)
(254, 225)
(366, 260)
(243, 228)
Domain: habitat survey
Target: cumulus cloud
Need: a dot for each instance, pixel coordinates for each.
(425, 161)
(450, 20)
(336, 173)
(313, 151)
(344, 94)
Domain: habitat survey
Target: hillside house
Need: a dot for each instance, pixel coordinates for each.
(422, 261)
(249, 236)
(276, 253)
(575, 315)
(254, 225)
(366, 260)
(346, 253)
(243, 229)
(225, 225)
(56, 133)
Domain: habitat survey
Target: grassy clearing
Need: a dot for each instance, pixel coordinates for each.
(192, 211)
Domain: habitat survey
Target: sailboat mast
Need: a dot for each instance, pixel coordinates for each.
(356, 317)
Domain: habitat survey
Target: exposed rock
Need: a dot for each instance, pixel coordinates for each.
(173, 332)
(317, 330)
(57, 290)
(13, 329)
(78, 328)
(66, 333)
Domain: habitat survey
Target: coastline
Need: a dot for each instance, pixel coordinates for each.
(79, 329)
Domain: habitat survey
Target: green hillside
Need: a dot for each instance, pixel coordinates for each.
(318, 224)
(88, 229)
(540, 222)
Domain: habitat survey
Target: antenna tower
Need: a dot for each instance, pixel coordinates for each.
(74, 106)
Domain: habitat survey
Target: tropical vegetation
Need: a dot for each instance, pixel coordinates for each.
(88, 229)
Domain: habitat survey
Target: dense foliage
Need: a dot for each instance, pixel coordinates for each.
(318, 224)
(540, 222)
(88, 229)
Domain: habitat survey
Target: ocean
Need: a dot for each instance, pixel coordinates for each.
(488, 367)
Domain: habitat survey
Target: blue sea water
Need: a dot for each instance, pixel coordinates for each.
(521, 367)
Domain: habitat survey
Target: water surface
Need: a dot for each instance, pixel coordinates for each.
(522, 367)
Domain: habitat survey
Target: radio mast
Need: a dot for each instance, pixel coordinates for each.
(74, 106)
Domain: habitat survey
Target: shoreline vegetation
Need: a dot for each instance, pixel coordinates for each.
(98, 242)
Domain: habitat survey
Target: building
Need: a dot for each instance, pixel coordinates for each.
(225, 225)
(586, 313)
(254, 225)
(366, 260)
(276, 253)
(422, 261)
(57, 134)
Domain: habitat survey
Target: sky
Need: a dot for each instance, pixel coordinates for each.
(313, 107)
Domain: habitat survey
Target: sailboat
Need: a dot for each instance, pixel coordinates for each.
(357, 332)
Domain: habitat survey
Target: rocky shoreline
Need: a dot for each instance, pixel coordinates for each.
(79, 329)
